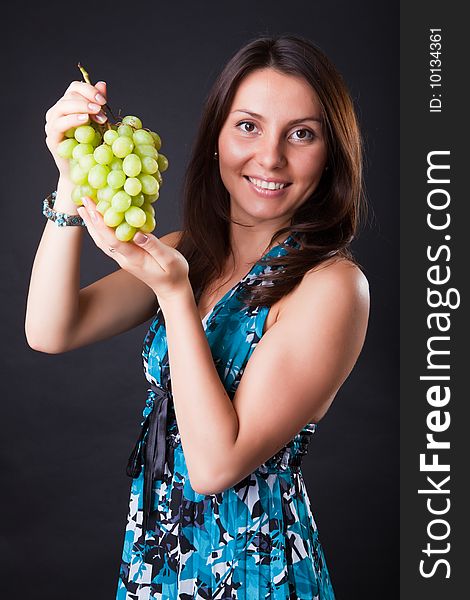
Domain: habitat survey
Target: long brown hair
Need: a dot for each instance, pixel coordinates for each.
(325, 224)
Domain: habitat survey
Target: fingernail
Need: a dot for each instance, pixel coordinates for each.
(140, 238)
(93, 106)
(85, 201)
(100, 98)
(100, 117)
(82, 117)
(103, 82)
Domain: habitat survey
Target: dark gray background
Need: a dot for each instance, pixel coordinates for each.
(69, 421)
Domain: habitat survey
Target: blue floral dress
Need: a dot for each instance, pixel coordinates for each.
(255, 540)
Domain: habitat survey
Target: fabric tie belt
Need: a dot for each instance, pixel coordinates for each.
(150, 448)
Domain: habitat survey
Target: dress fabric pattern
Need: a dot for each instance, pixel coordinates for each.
(255, 540)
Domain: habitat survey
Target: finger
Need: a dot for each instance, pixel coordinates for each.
(90, 92)
(96, 111)
(163, 254)
(92, 229)
(72, 106)
(101, 86)
(99, 118)
(55, 132)
(68, 106)
(106, 234)
(72, 95)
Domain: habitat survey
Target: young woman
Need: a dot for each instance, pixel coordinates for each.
(259, 315)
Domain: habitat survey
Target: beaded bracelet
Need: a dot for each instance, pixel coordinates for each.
(60, 219)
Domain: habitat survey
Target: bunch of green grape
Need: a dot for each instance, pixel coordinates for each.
(120, 168)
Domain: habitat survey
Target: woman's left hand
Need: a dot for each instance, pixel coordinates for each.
(162, 268)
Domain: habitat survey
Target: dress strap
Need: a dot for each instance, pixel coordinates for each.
(150, 449)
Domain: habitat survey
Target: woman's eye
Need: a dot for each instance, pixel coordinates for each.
(302, 135)
(247, 126)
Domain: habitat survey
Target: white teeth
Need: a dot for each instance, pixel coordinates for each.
(267, 185)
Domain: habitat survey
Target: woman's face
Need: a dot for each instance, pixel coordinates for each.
(272, 138)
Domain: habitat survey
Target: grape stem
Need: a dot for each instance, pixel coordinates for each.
(87, 79)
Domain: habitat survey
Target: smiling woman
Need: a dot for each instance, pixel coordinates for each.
(260, 313)
(273, 196)
(278, 112)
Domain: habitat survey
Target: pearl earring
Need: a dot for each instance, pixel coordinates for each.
(216, 155)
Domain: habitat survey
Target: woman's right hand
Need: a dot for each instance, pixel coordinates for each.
(80, 102)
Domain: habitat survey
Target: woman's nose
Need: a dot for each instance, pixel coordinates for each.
(270, 153)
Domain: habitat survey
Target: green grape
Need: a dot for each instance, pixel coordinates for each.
(138, 200)
(150, 185)
(97, 139)
(105, 194)
(84, 134)
(132, 186)
(125, 232)
(135, 122)
(162, 163)
(131, 165)
(126, 131)
(120, 169)
(87, 190)
(112, 217)
(147, 207)
(151, 198)
(97, 176)
(77, 195)
(157, 140)
(121, 201)
(81, 150)
(102, 206)
(149, 224)
(86, 162)
(116, 179)
(110, 136)
(115, 164)
(103, 154)
(122, 146)
(78, 175)
(142, 137)
(149, 165)
(66, 148)
(146, 150)
(135, 216)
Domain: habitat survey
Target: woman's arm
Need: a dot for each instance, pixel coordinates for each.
(60, 317)
(114, 304)
(290, 380)
(52, 304)
(292, 375)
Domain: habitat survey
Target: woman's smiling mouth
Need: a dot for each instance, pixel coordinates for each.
(265, 187)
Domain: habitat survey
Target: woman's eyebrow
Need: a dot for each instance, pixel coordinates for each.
(293, 122)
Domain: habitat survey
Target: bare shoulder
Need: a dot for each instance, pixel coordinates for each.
(337, 281)
(171, 239)
(342, 273)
